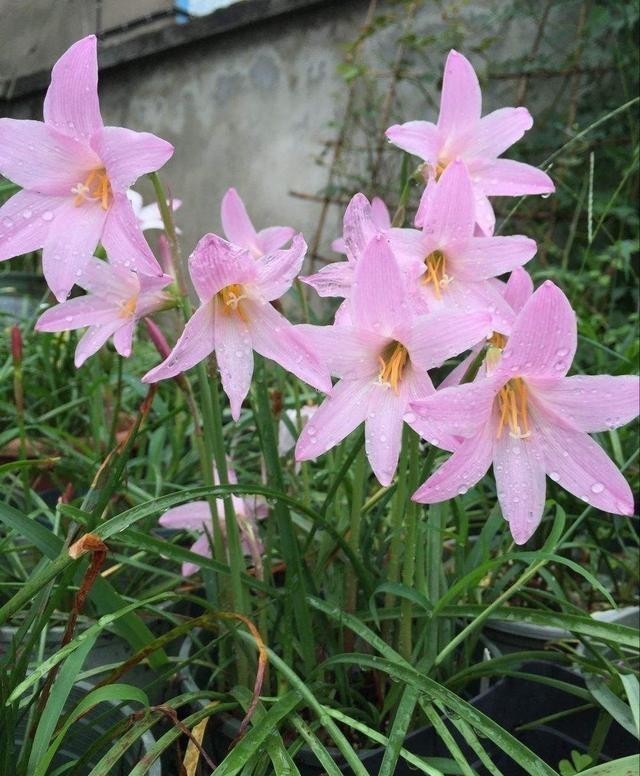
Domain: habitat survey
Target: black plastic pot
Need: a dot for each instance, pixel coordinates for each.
(513, 702)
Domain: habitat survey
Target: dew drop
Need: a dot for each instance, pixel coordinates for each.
(47, 215)
(26, 214)
(462, 490)
(597, 487)
(554, 476)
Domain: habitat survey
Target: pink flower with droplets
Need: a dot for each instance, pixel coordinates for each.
(74, 173)
(463, 133)
(235, 318)
(381, 357)
(116, 299)
(456, 263)
(239, 229)
(528, 419)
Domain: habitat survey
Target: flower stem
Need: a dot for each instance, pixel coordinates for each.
(296, 579)
(405, 641)
(357, 498)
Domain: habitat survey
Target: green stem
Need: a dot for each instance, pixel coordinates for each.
(405, 642)
(357, 498)
(296, 580)
(397, 523)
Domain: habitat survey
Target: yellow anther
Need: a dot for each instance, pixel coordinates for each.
(393, 360)
(498, 340)
(231, 296)
(435, 264)
(512, 400)
(96, 187)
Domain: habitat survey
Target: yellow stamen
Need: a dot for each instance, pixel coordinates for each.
(440, 168)
(513, 409)
(95, 187)
(436, 263)
(231, 296)
(393, 360)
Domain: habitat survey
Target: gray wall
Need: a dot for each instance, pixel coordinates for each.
(254, 107)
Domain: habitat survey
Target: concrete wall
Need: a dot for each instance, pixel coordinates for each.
(254, 107)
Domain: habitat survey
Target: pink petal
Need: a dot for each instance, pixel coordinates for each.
(201, 546)
(70, 242)
(77, 313)
(275, 338)
(196, 343)
(380, 213)
(481, 258)
(463, 296)
(274, 237)
(345, 351)
(339, 246)
(383, 431)
(216, 263)
(498, 131)
(123, 338)
(461, 101)
(123, 240)
(417, 386)
(234, 354)
(378, 297)
(278, 270)
(41, 159)
(25, 220)
(519, 289)
(580, 465)
(339, 414)
(111, 283)
(408, 246)
(420, 138)
(485, 217)
(432, 339)
(459, 410)
(543, 338)
(426, 199)
(458, 372)
(236, 223)
(192, 516)
(358, 226)
(333, 280)
(71, 103)
(518, 466)
(450, 215)
(590, 404)
(506, 177)
(468, 464)
(93, 339)
(127, 155)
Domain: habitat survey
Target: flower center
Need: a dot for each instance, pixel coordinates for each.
(96, 187)
(513, 409)
(393, 361)
(128, 308)
(231, 296)
(435, 273)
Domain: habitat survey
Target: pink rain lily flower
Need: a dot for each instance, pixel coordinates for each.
(239, 229)
(148, 216)
(456, 264)
(529, 419)
(117, 298)
(361, 223)
(236, 317)
(196, 516)
(461, 133)
(74, 173)
(382, 359)
(380, 217)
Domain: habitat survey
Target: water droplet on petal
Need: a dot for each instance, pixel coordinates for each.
(554, 476)
(597, 487)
